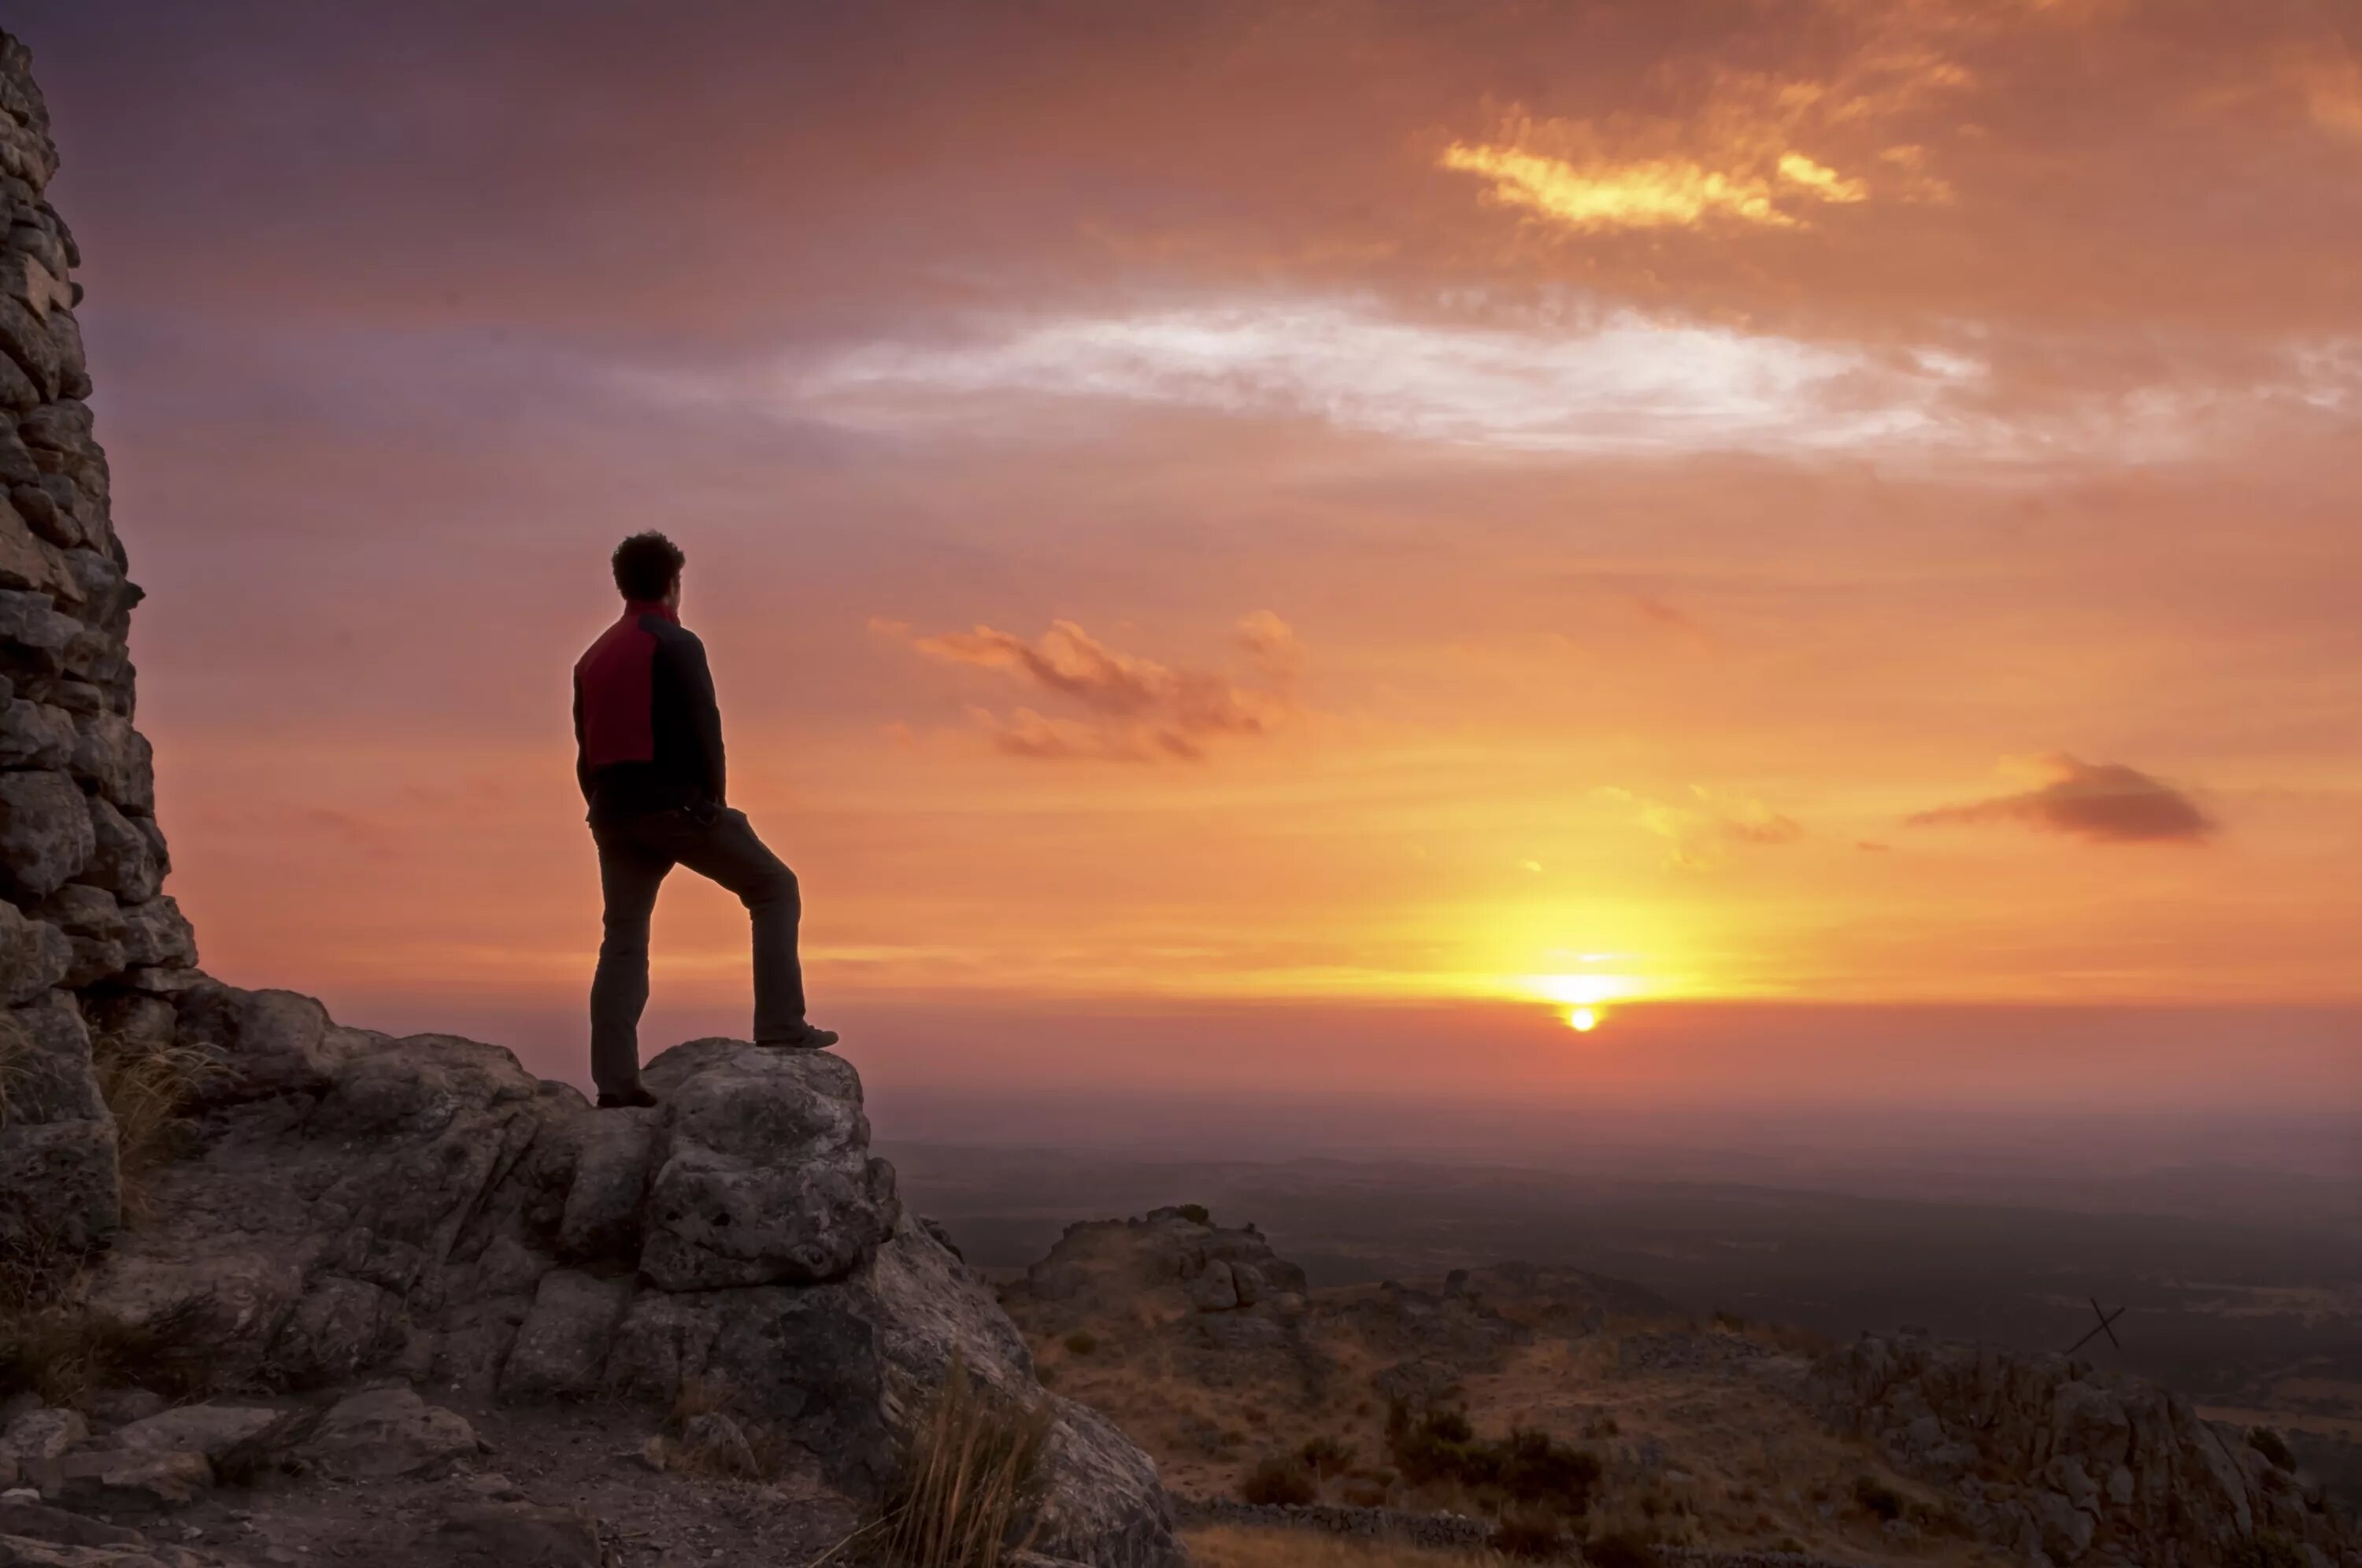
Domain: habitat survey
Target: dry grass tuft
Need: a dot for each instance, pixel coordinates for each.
(146, 1087)
(971, 1479)
(55, 1346)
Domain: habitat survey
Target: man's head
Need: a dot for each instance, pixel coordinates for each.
(647, 568)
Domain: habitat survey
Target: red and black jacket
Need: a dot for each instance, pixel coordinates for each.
(647, 734)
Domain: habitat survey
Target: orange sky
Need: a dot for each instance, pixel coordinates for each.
(1839, 501)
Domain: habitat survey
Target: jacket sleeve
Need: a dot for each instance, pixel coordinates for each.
(582, 752)
(688, 654)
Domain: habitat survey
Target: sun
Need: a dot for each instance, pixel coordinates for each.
(1583, 1020)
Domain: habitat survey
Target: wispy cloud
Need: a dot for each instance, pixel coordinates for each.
(1621, 384)
(1701, 830)
(1130, 709)
(2107, 802)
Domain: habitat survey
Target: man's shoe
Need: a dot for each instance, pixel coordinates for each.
(805, 1038)
(636, 1096)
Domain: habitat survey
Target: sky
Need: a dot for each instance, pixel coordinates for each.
(1309, 525)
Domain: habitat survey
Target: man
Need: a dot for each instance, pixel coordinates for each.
(647, 739)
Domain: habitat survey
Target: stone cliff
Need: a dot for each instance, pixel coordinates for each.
(89, 941)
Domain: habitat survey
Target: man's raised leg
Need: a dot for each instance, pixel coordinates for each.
(732, 855)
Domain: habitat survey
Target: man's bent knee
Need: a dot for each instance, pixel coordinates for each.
(775, 886)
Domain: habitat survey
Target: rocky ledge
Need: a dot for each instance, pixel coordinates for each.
(2062, 1464)
(360, 1206)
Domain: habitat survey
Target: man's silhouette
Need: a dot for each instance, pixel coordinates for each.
(647, 739)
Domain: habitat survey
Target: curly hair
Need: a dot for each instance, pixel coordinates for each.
(646, 566)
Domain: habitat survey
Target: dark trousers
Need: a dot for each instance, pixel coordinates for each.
(634, 856)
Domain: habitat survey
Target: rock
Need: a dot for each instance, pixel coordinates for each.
(33, 955)
(59, 1183)
(34, 734)
(338, 1328)
(46, 838)
(385, 1432)
(117, 1481)
(272, 1042)
(613, 1157)
(208, 1430)
(115, 758)
(45, 1433)
(1215, 1290)
(121, 859)
(714, 1443)
(120, 1408)
(50, 1075)
(513, 1535)
(561, 1347)
(156, 933)
(32, 630)
(764, 1176)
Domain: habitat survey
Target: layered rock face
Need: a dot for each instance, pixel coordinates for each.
(2066, 1466)
(425, 1206)
(88, 940)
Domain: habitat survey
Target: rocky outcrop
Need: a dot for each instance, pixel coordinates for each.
(425, 1206)
(2067, 1466)
(87, 936)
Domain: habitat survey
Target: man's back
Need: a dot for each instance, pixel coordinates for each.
(648, 732)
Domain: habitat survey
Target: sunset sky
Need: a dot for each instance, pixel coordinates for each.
(1304, 511)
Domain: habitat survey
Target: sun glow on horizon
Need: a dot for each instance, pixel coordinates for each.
(1583, 1020)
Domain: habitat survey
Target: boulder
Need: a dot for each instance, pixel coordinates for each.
(561, 1347)
(208, 1430)
(59, 1183)
(33, 955)
(115, 759)
(765, 1175)
(114, 1481)
(382, 1433)
(49, 1432)
(46, 838)
(122, 859)
(156, 933)
(50, 1077)
(34, 734)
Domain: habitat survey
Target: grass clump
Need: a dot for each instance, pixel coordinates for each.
(1530, 1533)
(1528, 1467)
(61, 1350)
(970, 1486)
(147, 1086)
(1326, 1457)
(1876, 1498)
(1280, 1480)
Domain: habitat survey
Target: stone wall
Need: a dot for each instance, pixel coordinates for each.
(90, 946)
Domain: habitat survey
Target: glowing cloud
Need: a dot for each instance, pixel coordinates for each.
(2102, 801)
(1136, 709)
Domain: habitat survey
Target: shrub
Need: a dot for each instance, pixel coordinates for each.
(970, 1482)
(1365, 1495)
(1528, 1532)
(1876, 1498)
(1082, 1341)
(1325, 1456)
(1527, 1466)
(2272, 1446)
(1279, 1479)
(1731, 1321)
(1195, 1213)
(1620, 1549)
